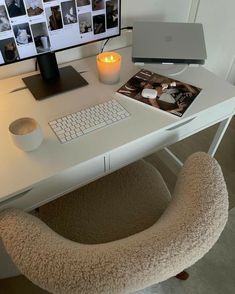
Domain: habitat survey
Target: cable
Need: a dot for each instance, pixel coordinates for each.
(129, 28)
(102, 49)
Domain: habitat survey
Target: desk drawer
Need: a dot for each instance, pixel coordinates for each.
(163, 138)
(57, 185)
(202, 121)
(139, 148)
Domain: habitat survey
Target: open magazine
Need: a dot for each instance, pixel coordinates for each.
(167, 94)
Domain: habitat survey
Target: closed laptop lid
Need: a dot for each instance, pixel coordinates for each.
(160, 42)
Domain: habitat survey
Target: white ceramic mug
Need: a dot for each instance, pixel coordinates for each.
(26, 133)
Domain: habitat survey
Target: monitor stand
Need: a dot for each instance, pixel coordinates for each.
(52, 80)
(166, 69)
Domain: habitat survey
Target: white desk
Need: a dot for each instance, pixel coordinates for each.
(30, 179)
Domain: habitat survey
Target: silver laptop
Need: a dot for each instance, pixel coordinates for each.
(164, 42)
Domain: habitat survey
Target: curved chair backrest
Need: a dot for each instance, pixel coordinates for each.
(188, 228)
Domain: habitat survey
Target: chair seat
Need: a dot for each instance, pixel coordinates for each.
(116, 206)
(188, 228)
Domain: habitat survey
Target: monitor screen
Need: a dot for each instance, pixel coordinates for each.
(30, 28)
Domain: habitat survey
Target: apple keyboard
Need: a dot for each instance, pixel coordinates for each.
(74, 125)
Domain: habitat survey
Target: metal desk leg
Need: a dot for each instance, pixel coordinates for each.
(213, 147)
(173, 156)
(219, 136)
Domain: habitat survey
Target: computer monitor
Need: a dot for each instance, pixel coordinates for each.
(39, 28)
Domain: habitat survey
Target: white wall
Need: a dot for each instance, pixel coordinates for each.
(160, 10)
(219, 27)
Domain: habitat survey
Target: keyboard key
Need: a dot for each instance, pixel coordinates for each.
(88, 130)
(74, 125)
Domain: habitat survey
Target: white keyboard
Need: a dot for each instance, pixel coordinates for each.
(74, 125)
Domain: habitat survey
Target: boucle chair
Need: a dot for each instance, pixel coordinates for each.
(117, 250)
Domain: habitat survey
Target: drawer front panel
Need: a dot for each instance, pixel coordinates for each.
(57, 185)
(203, 120)
(140, 148)
(163, 138)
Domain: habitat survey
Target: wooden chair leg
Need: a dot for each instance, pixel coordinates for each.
(182, 276)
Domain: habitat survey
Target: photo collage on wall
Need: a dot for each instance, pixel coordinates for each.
(32, 27)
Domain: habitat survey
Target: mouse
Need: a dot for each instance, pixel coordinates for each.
(149, 93)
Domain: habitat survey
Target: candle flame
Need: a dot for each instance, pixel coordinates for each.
(109, 59)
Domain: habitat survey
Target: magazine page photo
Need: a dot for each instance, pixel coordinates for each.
(161, 92)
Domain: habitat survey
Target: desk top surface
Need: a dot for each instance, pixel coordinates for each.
(19, 169)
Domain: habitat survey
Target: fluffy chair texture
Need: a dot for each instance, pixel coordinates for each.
(187, 229)
(121, 204)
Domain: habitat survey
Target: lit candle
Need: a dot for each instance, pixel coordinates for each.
(108, 65)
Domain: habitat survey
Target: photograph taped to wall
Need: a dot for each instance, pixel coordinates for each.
(166, 94)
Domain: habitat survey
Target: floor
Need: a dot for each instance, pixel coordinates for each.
(201, 142)
(215, 273)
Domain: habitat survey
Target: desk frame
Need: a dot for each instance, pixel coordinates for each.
(223, 125)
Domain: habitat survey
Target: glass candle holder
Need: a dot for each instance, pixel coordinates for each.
(109, 65)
